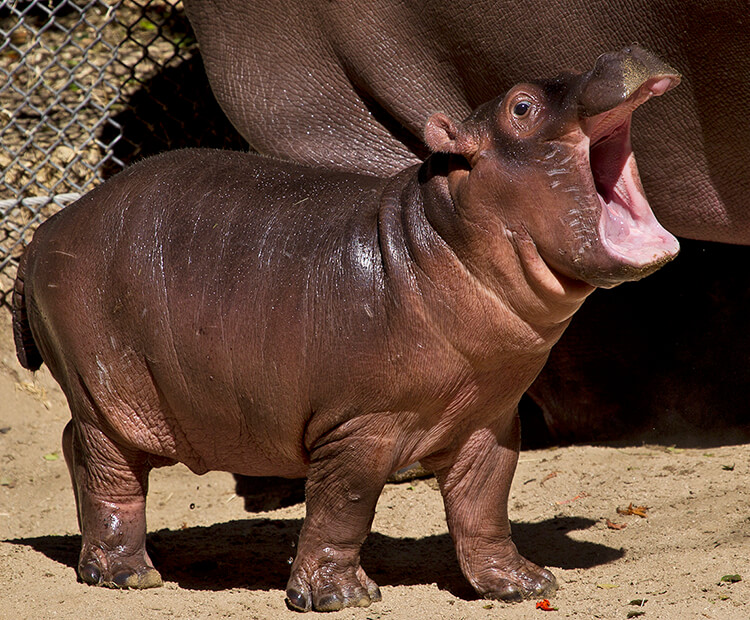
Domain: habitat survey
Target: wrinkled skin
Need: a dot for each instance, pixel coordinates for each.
(350, 84)
(237, 313)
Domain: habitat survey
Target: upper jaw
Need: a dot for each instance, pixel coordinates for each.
(631, 75)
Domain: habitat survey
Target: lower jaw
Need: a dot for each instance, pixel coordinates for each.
(633, 243)
(613, 274)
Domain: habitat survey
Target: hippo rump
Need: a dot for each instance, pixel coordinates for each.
(301, 83)
(233, 312)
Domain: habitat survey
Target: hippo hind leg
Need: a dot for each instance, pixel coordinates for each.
(110, 484)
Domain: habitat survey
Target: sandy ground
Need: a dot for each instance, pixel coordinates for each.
(219, 561)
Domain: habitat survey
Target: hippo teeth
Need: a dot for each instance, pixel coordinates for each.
(628, 228)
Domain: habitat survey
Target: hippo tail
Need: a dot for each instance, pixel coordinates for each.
(26, 349)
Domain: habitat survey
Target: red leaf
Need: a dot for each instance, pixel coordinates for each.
(545, 606)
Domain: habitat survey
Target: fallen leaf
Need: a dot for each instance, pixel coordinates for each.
(607, 586)
(673, 450)
(731, 578)
(728, 467)
(639, 511)
(544, 605)
(572, 499)
(52, 456)
(615, 526)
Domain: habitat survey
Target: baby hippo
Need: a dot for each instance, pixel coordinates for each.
(237, 313)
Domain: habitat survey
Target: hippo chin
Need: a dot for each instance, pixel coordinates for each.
(238, 313)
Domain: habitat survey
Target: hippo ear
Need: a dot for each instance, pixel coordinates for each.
(442, 135)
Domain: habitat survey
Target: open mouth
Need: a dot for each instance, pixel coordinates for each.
(628, 228)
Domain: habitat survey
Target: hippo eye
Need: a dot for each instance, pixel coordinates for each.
(521, 109)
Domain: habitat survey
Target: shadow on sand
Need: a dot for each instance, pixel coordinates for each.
(256, 553)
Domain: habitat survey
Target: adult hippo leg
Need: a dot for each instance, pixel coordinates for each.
(344, 482)
(475, 482)
(110, 484)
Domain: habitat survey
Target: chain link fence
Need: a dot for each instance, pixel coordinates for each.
(86, 87)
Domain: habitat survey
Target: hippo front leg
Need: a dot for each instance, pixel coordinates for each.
(110, 486)
(475, 482)
(344, 482)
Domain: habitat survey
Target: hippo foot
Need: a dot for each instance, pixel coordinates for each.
(331, 589)
(516, 583)
(96, 570)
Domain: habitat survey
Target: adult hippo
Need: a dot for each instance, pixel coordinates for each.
(236, 312)
(350, 84)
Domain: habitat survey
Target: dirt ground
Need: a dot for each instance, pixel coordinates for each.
(219, 561)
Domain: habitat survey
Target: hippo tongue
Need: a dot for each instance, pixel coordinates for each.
(627, 227)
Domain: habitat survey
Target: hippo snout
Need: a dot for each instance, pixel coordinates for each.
(617, 76)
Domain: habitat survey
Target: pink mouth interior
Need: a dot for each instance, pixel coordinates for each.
(628, 228)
